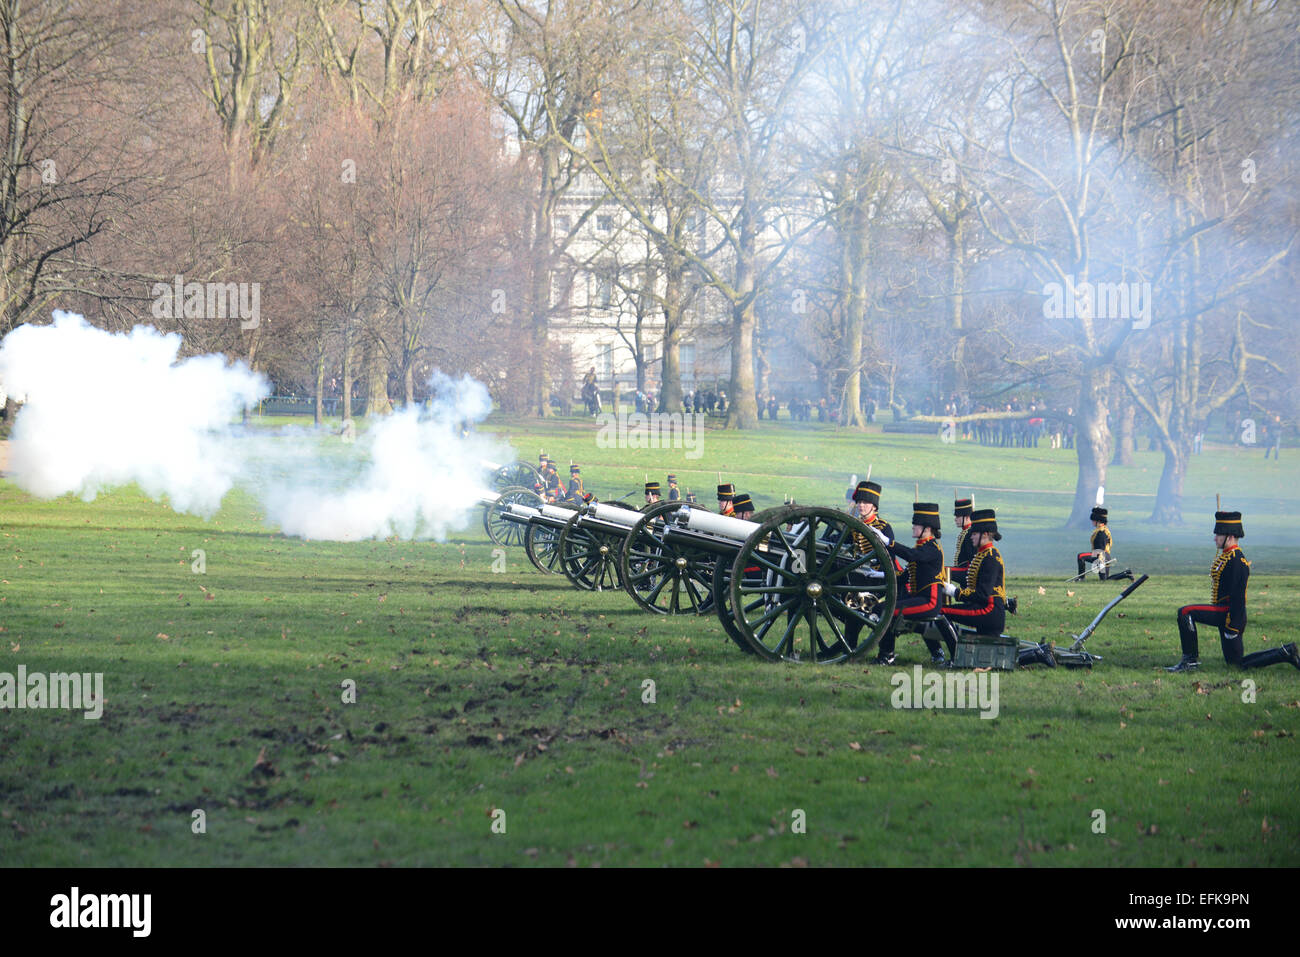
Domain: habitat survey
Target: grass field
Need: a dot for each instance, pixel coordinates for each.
(481, 692)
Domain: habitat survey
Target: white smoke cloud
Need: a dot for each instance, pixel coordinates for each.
(104, 410)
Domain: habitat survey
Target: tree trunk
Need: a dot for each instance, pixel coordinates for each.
(408, 383)
(348, 374)
(854, 269)
(376, 372)
(320, 389)
(1092, 444)
(1124, 440)
(742, 412)
(1169, 494)
(670, 388)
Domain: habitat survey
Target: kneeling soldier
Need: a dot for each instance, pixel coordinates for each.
(651, 493)
(1099, 557)
(1227, 607)
(923, 582)
(726, 493)
(961, 512)
(742, 506)
(982, 603)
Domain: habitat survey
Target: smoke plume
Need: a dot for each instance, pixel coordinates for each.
(103, 410)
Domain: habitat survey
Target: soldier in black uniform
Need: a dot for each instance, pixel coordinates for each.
(982, 602)
(1099, 556)
(673, 494)
(923, 582)
(651, 493)
(726, 493)
(1227, 608)
(742, 506)
(866, 498)
(576, 491)
(965, 547)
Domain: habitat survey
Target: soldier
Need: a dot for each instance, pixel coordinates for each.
(726, 493)
(742, 506)
(923, 582)
(965, 547)
(651, 493)
(552, 490)
(576, 491)
(1099, 557)
(866, 499)
(982, 604)
(673, 494)
(1227, 607)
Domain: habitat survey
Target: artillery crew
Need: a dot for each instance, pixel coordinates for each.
(651, 493)
(673, 494)
(742, 506)
(726, 494)
(1099, 556)
(923, 583)
(1227, 607)
(965, 547)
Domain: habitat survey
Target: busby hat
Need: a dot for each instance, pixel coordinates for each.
(672, 479)
(652, 488)
(541, 458)
(574, 470)
(726, 491)
(1098, 514)
(926, 514)
(1228, 523)
(985, 520)
(868, 492)
(962, 506)
(690, 497)
(742, 502)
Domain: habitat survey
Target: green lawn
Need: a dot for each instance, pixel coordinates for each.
(479, 692)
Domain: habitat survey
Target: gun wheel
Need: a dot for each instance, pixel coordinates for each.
(501, 531)
(822, 590)
(516, 475)
(663, 578)
(589, 559)
(542, 545)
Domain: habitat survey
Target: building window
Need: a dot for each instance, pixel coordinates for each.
(604, 224)
(686, 362)
(562, 225)
(604, 292)
(606, 362)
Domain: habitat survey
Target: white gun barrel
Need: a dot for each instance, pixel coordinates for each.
(517, 509)
(490, 466)
(554, 511)
(737, 529)
(614, 515)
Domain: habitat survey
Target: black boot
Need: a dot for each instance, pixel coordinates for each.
(1186, 664)
(1287, 654)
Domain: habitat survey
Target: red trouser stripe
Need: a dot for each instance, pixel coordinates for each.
(1186, 608)
(911, 611)
(971, 612)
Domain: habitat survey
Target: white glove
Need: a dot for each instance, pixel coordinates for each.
(949, 589)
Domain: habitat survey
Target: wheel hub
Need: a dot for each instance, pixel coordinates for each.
(814, 589)
(604, 549)
(680, 563)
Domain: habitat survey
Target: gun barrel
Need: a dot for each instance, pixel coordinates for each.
(614, 515)
(736, 529)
